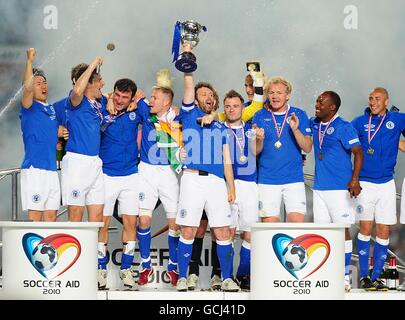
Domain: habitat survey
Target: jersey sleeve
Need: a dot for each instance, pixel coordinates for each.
(304, 126)
(143, 109)
(249, 112)
(349, 137)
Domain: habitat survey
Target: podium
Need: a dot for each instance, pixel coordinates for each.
(297, 261)
(50, 260)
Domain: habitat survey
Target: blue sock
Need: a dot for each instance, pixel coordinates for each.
(363, 249)
(126, 261)
(144, 240)
(184, 250)
(380, 255)
(348, 255)
(244, 263)
(225, 256)
(173, 241)
(103, 256)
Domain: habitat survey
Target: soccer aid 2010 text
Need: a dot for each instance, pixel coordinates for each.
(300, 286)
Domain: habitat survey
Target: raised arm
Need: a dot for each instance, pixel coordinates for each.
(28, 80)
(80, 86)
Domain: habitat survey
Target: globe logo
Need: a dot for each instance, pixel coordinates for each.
(47, 254)
(295, 257)
(44, 257)
(294, 253)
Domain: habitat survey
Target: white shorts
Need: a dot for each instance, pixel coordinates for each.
(125, 190)
(377, 201)
(158, 182)
(333, 206)
(40, 189)
(402, 217)
(245, 210)
(292, 194)
(82, 180)
(203, 192)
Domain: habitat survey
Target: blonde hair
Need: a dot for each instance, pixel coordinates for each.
(277, 80)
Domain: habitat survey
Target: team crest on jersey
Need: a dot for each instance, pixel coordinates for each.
(330, 130)
(132, 116)
(218, 125)
(36, 198)
(141, 196)
(183, 213)
(75, 194)
(359, 209)
(390, 125)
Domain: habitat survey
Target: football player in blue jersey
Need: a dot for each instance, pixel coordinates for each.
(119, 153)
(157, 173)
(82, 177)
(40, 191)
(280, 173)
(245, 209)
(379, 131)
(336, 183)
(203, 186)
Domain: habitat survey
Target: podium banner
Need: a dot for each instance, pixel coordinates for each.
(297, 261)
(50, 260)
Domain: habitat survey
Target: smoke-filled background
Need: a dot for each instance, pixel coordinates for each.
(318, 45)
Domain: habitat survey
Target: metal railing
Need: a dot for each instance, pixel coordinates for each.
(14, 189)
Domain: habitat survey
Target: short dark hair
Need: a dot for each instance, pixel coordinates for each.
(233, 94)
(79, 69)
(209, 86)
(335, 98)
(125, 85)
(75, 70)
(38, 72)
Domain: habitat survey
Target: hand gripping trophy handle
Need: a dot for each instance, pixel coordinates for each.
(186, 33)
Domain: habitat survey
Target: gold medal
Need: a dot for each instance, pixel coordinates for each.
(242, 158)
(370, 151)
(278, 144)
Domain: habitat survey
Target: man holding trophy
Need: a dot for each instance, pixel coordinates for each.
(202, 184)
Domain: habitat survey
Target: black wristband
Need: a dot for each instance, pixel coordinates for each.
(259, 90)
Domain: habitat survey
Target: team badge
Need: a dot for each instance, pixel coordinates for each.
(183, 213)
(36, 198)
(75, 194)
(390, 125)
(132, 116)
(141, 196)
(330, 130)
(359, 209)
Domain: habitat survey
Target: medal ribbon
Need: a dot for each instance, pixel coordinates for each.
(321, 136)
(240, 145)
(279, 133)
(371, 137)
(97, 108)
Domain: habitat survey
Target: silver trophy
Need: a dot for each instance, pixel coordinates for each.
(187, 33)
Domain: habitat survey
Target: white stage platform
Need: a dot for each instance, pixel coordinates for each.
(154, 294)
